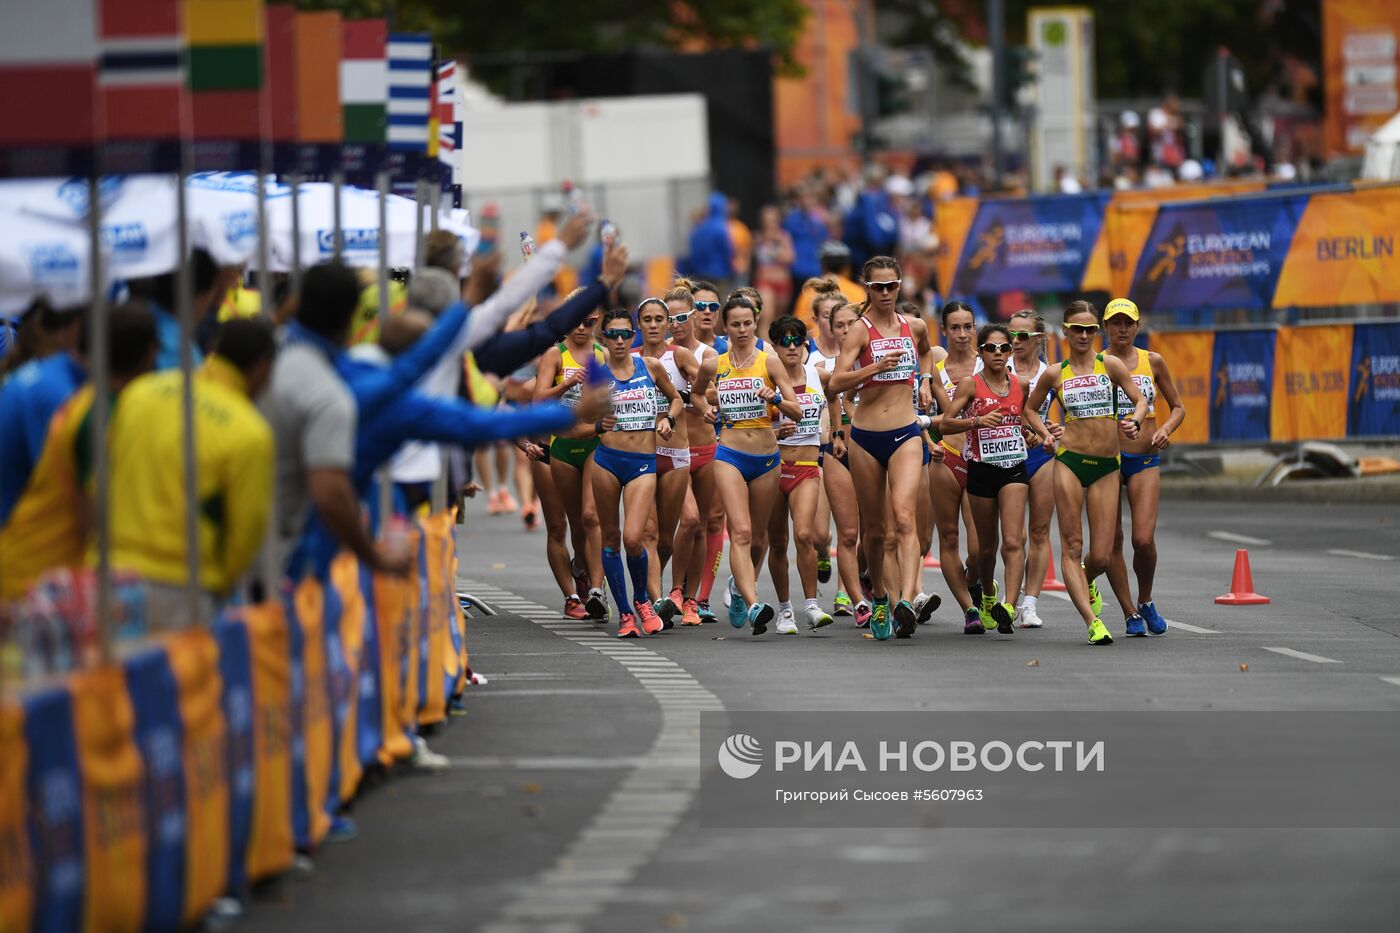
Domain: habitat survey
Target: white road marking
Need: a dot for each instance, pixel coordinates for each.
(1238, 539)
(1302, 655)
(1172, 623)
(1363, 555)
(1392, 680)
(644, 806)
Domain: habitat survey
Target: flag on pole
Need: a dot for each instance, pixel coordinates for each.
(48, 68)
(410, 79)
(364, 79)
(434, 123)
(448, 113)
(225, 67)
(142, 69)
(280, 75)
(318, 78)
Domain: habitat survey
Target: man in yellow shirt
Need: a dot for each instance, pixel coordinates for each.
(49, 525)
(234, 467)
(836, 264)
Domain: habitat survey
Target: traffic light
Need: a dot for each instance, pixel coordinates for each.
(1018, 71)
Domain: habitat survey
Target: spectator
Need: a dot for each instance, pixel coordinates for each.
(773, 256)
(33, 392)
(872, 226)
(551, 212)
(835, 264)
(160, 292)
(312, 415)
(806, 225)
(1126, 149)
(711, 249)
(38, 332)
(233, 469)
(1066, 182)
(742, 238)
(49, 524)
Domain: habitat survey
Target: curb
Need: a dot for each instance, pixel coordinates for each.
(1318, 491)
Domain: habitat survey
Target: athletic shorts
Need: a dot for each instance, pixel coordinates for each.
(791, 474)
(1133, 464)
(572, 450)
(701, 457)
(985, 480)
(623, 464)
(882, 444)
(1088, 470)
(1037, 457)
(953, 460)
(672, 458)
(750, 466)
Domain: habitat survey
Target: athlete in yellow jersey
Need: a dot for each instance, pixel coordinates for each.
(562, 373)
(1086, 471)
(1141, 461)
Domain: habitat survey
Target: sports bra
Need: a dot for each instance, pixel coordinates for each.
(1001, 446)
(739, 403)
(813, 401)
(668, 360)
(880, 347)
(1089, 396)
(634, 400)
(1146, 383)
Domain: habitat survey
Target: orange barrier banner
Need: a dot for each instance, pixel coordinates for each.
(16, 868)
(1343, 252)
(952, 219)
(1359, 71)
(114, 802)
(393, 612)
(270, 846)
(437, 545)
(1188, 355)
(345, 577)
(194, 660)
(309, 602)
(1311, 365)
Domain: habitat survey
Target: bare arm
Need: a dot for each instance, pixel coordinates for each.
(333, 496)
(1167, 388)
(667, 388)
(1124, 380)
(778, 374)
(1031, 413)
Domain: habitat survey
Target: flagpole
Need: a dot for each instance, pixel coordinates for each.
(295, 179)
(420, 245)
(99, 358)
(337, 183)
(386, 496)
(184, 283)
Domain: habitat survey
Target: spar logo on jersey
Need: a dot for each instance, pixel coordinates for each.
(361, 239)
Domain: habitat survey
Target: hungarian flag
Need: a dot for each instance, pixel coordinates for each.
(142, 71)
(364, 79)
(48, 70)
(225, 67)
(410, 82)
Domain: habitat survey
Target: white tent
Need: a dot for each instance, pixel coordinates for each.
(1383, 152)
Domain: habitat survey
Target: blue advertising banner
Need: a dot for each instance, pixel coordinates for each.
(1038, 244)
(56, 821)
(1216, 254)
(236, 671)
(1373, 399)
(1242, 385)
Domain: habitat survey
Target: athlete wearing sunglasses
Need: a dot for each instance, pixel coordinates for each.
(1086, 471)
(707, 305)
(1028, 360)
(885, 358)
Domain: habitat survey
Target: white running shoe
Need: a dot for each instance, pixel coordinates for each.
(425, 759)
(787, 623)
(816, 618)
(1029, 618)
(728, 594)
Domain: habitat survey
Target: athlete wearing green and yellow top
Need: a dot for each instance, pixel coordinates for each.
(1086, 471)
(562, 373)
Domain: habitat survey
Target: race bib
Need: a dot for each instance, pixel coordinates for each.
(1002, 446)
(812, 407)
(1088, 396)
(573, 394)
(739, 399)
(1146, 387)
(634, 409)
(881, 347)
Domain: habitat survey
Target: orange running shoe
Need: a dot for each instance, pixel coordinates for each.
(651, 622)
(508, 503)
(493, 502)
(573, 609)
(628, 627)
(690, 613)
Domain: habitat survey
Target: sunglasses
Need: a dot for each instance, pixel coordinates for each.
(884, 287)
(1025, 334)
(996, 348)
(790, 340)
(712, 306)
(1083, 328)
(590, 323)
(682, 317)
(613, 333)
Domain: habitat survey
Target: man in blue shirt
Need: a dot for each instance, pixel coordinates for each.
(160, 293)
(31, 395)
(807, 227)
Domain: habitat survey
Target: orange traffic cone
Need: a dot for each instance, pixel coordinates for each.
(1052, 584)
(931, 562)
(1242, 586)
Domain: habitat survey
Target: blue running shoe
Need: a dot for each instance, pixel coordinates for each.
(1156, 625)
(738, 612)
(760, 614)
(1135, 625)
(972, 622)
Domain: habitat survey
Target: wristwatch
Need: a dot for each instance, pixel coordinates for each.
(671, 418)
(684, 394)
(840, 434)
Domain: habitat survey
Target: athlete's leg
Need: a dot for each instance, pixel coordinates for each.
(556, 528)
(984, 518)
(762, 493)
(802, 503)
(687, 529)
(945, 499)
(906, 476)
(1069, 505)
(734, 495)
(1118, 568)
(607, 494)
(638, 500)
(841, 496)
(869, 478)
(778, 548)
(1144, 494)
(1042, 507)
(1011, 501)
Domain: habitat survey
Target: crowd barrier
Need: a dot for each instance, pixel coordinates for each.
(133, 795)
(1232, 245)
(1284, 384)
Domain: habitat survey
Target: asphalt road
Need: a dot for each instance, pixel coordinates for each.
(571, 802)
